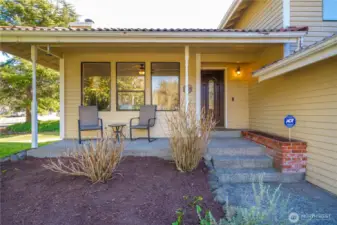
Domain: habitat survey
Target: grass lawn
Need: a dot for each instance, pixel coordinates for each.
(43, 126)
(11, 144)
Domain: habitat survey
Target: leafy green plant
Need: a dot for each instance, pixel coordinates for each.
(205, 216)
(269, 207)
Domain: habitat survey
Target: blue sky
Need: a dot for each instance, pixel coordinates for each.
(151, 13)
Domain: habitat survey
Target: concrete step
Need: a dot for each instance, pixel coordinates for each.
(226, 134)
(248, 175)
(262, 161)
(234, 146)
(237, 151)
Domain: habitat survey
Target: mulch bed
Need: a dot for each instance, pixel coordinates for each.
(148, 191)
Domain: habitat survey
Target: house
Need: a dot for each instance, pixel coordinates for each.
(262, 63)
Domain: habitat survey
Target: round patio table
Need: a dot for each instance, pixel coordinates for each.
(117, 128)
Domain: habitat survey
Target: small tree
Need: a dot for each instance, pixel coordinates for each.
(16, 74)
(16, 87)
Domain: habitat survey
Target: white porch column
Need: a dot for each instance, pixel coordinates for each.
(34, 100)
(198, 84)
(62, 118)
(187, 56)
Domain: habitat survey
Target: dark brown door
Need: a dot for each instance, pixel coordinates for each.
(212, 94)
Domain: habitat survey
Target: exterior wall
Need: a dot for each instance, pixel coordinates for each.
(237, 88)
(310, 13)
(310, 94)
(73, 88)
(236, 94)
(262, 14)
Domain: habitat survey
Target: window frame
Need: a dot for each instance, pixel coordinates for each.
(326, 20)
(82, 84)
(174, 110)
(144, 91)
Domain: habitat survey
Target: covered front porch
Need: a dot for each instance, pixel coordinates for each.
(120, 70)
(228, 140)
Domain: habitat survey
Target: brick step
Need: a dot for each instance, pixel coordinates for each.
(248, 175)
(261, 161)
(226, 134)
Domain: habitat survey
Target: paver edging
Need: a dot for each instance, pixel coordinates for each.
(15, 157)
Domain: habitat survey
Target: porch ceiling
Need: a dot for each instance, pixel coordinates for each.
(23, 49)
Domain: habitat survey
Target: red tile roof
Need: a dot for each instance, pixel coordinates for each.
(26, 28)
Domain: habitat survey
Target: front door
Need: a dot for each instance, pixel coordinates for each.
(212, 94)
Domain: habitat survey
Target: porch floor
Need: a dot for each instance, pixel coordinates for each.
(141, 147)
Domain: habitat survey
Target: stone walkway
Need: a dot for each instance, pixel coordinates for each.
(305, 199)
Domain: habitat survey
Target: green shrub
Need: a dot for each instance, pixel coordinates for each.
(43, 126)
(270, 207)
(205, 216)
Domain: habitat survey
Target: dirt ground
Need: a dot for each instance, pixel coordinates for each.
(147, 191)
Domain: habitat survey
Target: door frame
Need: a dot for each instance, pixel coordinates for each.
(225, 70)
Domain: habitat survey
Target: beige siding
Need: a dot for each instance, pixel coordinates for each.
(236, 94)
(310, 94)
(263, 14)
(73, 87)
(237, 88)
(310, 13)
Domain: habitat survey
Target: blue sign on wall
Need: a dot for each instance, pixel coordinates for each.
(290, 121)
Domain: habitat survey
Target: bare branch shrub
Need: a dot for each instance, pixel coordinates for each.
(96, 160)
(189, 136)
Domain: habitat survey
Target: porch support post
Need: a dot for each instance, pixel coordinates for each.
(198, 84)
(34, 100)
(187, 56)
(62, 118)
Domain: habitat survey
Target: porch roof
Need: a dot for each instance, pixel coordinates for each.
(17, 40)
(319, 51)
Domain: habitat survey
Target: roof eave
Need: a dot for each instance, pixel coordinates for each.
(163, 37)
(231, 10)
(311, 55)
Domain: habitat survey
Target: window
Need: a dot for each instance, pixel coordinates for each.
(330, 10)
(130, 86)
(165, 85)
(96, 85)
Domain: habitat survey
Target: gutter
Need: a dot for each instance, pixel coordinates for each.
(20, 36)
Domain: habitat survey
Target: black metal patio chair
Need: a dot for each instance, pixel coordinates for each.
(146, 120)
(88, 120)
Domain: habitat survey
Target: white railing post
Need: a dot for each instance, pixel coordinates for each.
(198, 84)
(34, 99)
(187, 56)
